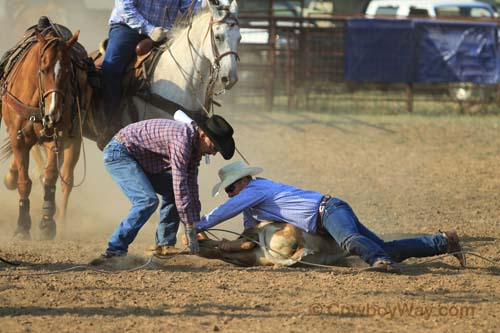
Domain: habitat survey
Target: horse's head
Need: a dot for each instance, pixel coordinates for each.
(54, 75)
(225, 37)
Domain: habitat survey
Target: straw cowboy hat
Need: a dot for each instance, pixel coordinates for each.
(220, 133)
(231, 173)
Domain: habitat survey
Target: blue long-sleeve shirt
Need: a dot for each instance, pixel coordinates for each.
(145, 15)
(262, 200)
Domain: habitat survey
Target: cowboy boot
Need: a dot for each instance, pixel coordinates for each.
(454, 246)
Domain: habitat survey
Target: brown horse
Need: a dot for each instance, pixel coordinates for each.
(37, 98)
(198, 61)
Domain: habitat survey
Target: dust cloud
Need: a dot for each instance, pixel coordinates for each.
(96, 206)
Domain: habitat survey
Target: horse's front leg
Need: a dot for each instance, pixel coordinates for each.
(38, 155)
(71, 155)
(21, 161)
(47, 224)
(11, 177)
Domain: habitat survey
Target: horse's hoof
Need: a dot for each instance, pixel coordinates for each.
(22, 234)
(47, 229)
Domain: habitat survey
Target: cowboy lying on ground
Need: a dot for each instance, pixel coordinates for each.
(261, 199)
(162, 156)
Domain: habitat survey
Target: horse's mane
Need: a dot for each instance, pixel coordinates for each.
(183, 23)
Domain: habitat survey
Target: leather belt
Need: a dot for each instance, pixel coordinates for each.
(319, 224)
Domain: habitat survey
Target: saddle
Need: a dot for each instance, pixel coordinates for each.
(135, 80)
(44, 27)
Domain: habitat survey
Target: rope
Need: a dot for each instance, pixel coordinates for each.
(184, 74)
(213, 235)
(496, 263)
(170, 256)
(80, 183)
(82, 268)
(8, 262)
(89, 268)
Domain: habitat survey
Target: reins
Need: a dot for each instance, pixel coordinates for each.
(30, 112)
(80, 183)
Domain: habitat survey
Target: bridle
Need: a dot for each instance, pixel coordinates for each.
(48, 120)
(217, 55)
(215, 64)
(215, 68)
(35, 113)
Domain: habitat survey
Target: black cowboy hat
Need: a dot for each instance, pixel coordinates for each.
(220, 133)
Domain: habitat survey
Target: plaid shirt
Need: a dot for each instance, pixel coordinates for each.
(161, 145)
(145, 15)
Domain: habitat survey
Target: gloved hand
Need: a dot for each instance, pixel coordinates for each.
(192, 240)
(159, 34)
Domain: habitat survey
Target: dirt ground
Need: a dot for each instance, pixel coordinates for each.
(402, 174)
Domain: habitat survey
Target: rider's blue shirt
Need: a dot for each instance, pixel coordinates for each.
(145, 15)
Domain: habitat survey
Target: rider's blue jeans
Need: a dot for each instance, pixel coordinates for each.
(352, 236)
(120, 51)
(141, 190)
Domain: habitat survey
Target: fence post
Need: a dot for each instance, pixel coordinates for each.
(498, 94)
(271, 61)
(409, 97)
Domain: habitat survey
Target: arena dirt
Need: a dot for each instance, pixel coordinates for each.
(402, 174)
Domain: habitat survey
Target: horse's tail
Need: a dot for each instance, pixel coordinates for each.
(5, 151)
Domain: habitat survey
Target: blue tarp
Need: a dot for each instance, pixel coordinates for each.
(381, 50)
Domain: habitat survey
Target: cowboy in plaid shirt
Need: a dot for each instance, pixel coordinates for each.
(161, 156)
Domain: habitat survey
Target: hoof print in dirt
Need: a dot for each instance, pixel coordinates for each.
(47, 229)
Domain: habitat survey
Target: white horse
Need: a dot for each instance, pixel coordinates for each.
(200, 60)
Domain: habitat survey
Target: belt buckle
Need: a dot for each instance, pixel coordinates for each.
(323, 202)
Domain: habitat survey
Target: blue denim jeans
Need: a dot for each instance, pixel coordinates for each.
(352, 236)
(141, 192)
(120, 51)
(166, 233)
